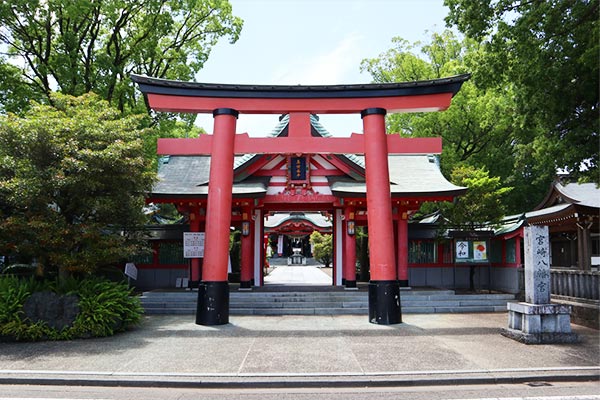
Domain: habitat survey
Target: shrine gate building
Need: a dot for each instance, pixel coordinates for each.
(227, 179)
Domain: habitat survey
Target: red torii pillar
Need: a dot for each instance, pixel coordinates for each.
(384, 291)
(213, 291)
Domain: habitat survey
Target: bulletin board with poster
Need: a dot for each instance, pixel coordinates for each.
(471, 251)
(471, 248)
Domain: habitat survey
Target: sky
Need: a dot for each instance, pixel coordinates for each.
(313, 42)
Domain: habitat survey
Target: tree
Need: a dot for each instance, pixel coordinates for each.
(15, 94)
(78, 46)
(72, 184)
(479, 129)
(322, 247)
(549, 51)
(482, 205)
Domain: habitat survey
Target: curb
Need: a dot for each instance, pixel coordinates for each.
(339, 380)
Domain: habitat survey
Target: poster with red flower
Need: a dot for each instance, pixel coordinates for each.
(479, 251)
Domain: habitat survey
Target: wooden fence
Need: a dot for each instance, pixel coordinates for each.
(572, 283)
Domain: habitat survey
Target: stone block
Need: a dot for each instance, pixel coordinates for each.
(515, 320)
(540, 338)
(539, 323)
(548, 322)
(532, 323)
(563, 323)
(58, 311)
(539, 309)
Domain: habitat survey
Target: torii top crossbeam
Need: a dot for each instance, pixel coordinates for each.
(193, 97)
(299, 101)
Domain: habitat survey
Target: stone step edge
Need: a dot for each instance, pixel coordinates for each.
(342, 311)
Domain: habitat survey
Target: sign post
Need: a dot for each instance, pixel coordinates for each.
(193, 245)
(131, 272)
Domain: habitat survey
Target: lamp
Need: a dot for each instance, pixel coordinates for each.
(350, 226)
(245, 228)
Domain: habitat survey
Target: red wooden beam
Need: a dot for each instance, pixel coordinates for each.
(191, 104)
(244, 144)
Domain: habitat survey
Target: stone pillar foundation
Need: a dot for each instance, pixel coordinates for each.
(539, 323)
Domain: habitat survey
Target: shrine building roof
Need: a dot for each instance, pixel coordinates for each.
(410, 175)
(567, 201)
(277, 219)
(585, 194)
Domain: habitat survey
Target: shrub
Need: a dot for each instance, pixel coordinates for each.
(105, 308)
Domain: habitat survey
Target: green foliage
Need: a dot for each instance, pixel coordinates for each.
(482, 127)
(15, 93)
(168, 128)
(482, 205)
(82, 46)
(362, 252)
(235, 250)
(105, 308)
(548, 50)
(322, 247)
(12, 297)
(72, 181)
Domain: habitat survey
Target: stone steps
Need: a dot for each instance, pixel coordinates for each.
(326, 303)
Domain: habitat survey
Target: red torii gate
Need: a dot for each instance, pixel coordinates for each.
(226, 102)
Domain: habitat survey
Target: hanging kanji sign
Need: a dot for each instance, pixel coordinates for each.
(297, 168)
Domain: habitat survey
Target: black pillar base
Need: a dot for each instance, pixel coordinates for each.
(245, 284)
(193, 284)
(384, 303)
(350, 284)
(403, 283)
(213, 303)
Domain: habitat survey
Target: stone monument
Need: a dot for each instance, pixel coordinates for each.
(536, 320)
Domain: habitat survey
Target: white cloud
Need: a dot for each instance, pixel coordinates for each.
(339, 65)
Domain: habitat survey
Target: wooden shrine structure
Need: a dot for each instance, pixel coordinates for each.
(299, 147)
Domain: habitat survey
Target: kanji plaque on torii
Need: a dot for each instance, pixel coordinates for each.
(371, 101)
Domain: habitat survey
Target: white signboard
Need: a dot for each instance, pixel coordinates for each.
(193, 244)
(131, 271)
(462, 249)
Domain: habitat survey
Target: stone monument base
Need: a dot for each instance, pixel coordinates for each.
(539, 323)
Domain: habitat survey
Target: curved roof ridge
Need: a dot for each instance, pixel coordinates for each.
(587, 194)
(314, 218)
(156, 85)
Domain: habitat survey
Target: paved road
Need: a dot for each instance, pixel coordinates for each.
(289, 351)
(555, 391)
(297, 275)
